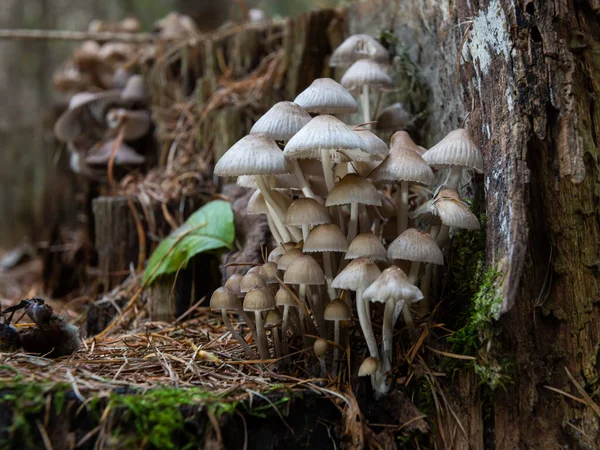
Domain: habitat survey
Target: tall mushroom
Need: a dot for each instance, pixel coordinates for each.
(327, 238)
(305, 271)
(456, 151)
(403, 165)
(417, 247)
(353, 190)
(390, 288)
(259, 155)
(357, 276)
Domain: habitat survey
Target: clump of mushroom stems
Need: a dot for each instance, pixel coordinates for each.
(311, 301)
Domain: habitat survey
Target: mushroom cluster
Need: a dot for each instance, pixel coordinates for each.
(99, 126)
(348, 213)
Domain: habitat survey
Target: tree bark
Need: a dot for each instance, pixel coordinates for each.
(528, 79)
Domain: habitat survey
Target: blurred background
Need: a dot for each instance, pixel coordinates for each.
(31, 181)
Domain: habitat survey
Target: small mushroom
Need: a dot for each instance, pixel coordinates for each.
(337, 311)
(225, 300)
(257, 300)
(273, 320)
(320, 347)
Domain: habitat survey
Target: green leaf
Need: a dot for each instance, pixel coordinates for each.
(209, 228)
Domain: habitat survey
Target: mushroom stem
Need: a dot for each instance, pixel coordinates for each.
(274, 230)
(365, 324)
(263, 348)
(327, 170)
(336, 348)
(248, 321)
(245, 346)
(317, 310)
(402, 206)
(305, 231)
(284, 323)
(365, 105)
(278, 212)
(303, 318)
(284, 235)
(323, 366)
(413, 275)
(276, 341)
(388, 326)
(306, 190)
(453, 179)
(329, 274)
(363, 219)
(443, 236)
(353, 226)
(408, 318)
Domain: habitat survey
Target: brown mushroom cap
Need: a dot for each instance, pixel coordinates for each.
(368, 367)
(223, 298)
(306, 211)
(250, 281)
(337, 310)
(259, 299)
(287, 258)
(320, 347)
(304, 270)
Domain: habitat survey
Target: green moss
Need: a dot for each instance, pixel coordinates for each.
(157, 415)
(27, 399)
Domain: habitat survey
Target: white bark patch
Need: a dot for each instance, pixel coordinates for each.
(489, 36)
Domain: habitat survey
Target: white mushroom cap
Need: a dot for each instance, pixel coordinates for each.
(320, 347)
(456, 149)
(358, 46)
(257, 204)
(284, 298)
(233, 284)
(366, 72)
(306, 211)
(414, 245)
(304, 270)
(375, 146)
(136, 123)
(359, 274)
(282, 121)
(455, 214)
(325, 238)
(255, 154)
(125, 155)
(392, 284)
(367, 245)
(326, 133)
(353, 189)
(326, 96)
(403, 164)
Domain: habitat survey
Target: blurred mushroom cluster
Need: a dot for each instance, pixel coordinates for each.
(357, 222)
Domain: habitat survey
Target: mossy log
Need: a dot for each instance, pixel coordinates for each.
(525, 76)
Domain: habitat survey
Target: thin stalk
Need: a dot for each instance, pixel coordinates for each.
(365, 105)
(454, 176)
(248, 321)
(363, 219)
(278, 212)
(262, 338)
(306, 190)
(327, 263)
(413, 275)
(443, 237)
(408, 320)
(318, 313)
(274, 230)
(402, 206)
(303, 318)
(276, 341)
(279, 226)
(305, 231)
(245, 346)
(323, 366)
(365, 324)
(388, 327)
(284, 324)
(336, 348)
(327, 170)
(353, 226)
